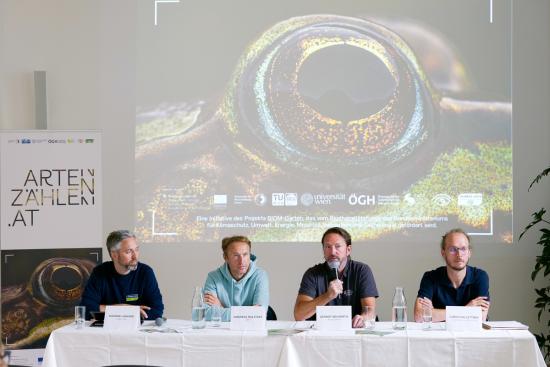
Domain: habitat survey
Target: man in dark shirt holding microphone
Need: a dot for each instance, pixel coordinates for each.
(339, 281)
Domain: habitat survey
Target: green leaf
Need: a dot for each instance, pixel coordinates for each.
(542, 262)
(539, 177)
(537, 218)
(541, 292)
(535, 271)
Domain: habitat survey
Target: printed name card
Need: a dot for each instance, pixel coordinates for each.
(247, 318)
(122, 318)
(334, 318)
(461, 318)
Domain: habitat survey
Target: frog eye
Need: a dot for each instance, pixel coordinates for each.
(330, 95)
(60, 281)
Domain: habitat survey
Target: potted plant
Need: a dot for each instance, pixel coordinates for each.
(542, 220)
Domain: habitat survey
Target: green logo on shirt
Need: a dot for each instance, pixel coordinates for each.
(132, 297)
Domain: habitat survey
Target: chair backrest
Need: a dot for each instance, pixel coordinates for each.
(271, 315)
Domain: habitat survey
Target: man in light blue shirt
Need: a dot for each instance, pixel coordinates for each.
(238, 282)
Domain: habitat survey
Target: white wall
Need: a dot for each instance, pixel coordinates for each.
(88, 48)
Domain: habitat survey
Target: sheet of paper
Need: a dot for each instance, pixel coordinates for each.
(505, 325)
(304, 325)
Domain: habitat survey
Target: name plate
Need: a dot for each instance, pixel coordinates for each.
(247, 318)
(334, 318)
(461, 318)
(122, 318)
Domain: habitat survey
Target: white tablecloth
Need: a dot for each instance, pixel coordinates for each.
(413, 347)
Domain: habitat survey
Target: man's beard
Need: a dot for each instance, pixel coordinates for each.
(131, 267)
(456, 268)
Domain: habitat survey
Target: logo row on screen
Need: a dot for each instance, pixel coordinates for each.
(289, 199)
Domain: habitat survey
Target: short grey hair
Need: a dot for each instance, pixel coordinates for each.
(116, 237)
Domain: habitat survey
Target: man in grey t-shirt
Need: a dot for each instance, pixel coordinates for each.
(354, 286)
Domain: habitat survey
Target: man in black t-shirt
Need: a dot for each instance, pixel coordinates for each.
(354, 286)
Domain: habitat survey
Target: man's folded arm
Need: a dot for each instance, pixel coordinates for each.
(305, 306)
(438, 314)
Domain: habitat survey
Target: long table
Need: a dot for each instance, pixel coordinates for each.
(175, 344)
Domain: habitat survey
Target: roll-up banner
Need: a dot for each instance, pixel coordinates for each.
(50, 232)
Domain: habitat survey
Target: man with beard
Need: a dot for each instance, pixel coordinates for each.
(353, 285)
(124, 280)
(456, 284)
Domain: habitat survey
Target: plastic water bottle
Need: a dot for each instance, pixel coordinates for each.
(399, 310)
(198, 310)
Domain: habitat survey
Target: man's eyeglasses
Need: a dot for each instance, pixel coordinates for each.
(455, 250)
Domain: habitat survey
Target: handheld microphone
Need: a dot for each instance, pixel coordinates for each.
(159, 321)
(334, 265)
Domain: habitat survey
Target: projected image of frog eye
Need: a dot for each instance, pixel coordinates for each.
(345, 83)
(331, 95)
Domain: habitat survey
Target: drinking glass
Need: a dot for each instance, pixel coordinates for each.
(216, 316)
(79, 316)
(369, 317)
(426, 317)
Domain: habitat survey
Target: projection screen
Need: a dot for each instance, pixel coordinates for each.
(280, 119)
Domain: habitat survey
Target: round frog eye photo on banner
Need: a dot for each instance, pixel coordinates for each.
(39, 292)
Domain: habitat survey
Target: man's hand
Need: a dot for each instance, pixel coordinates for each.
(335, 288)
(481, 302)
(425, 302)
(357, 321)
(212, 300)
(422, 303)
(142, 310)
